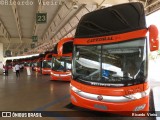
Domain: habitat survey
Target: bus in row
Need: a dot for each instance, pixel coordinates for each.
(61, 60)
(110, 59)
(56, 63)
(107, 60)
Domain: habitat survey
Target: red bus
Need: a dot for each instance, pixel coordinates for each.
(46, 63)
(38, 67)
(110, 59)
(33, 63)
(61, 60)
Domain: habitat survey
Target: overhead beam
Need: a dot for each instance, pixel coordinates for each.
(25, 40)
(40, 7)
(52, 21)
(62, 21)
(152, 6)
(16, 40)
(16, 16)
(69, 31)
(4, 32)
(62, 24)
(154, 2)
(17, 20)
(22, 47)
(145, 4)
(44, 35)
(70, 10)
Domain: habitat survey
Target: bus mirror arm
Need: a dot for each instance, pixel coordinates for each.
(153, 38)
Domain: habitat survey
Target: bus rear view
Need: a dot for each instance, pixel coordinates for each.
(110, 59)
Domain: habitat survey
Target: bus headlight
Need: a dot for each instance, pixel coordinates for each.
(141, 107)
(138, 95)
(52, 73)
(75, 89)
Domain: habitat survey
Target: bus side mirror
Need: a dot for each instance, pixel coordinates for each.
(153, 38)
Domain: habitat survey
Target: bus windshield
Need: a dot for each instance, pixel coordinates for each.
(62, 64)
(46, 64)
(116, 64)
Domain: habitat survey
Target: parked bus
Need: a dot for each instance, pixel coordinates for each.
(110, 59)
(61, 62)
(46, 63)
(38, 67)
(33, 63)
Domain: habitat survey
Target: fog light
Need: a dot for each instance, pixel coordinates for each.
(73, 98)
(138, 95)
(75, 89)
(141, 107)
(52, 73)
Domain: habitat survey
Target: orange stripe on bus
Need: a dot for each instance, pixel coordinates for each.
(111, 39)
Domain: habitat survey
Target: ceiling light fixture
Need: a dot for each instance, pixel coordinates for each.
(74, 5)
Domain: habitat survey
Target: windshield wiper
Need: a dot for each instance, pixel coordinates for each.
(113, 78)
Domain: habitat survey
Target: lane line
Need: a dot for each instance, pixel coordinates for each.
(52, 103)
(57, 116)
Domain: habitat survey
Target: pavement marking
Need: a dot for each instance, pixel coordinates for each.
(57, 116)
(52, 103)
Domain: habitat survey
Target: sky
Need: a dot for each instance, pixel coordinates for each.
(154, 18)
(154, 68)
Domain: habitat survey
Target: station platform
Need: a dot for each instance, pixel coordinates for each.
(38, 93)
